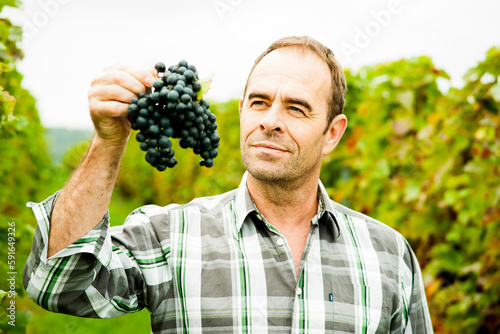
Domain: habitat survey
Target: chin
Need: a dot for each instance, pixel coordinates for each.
(269, 172)
(270, 168)
(266, 175)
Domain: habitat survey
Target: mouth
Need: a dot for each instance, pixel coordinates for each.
(270, 148)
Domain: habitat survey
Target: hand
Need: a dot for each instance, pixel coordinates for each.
(109, 97)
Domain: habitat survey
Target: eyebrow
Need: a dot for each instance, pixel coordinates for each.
(288, 100)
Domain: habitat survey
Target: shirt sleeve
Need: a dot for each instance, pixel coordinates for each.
(417, 316)
(104, 274)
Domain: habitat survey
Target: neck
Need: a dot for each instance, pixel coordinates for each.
(286, 205)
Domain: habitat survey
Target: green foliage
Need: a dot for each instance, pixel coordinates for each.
(44, 322)
(9, 54)
(10, 3)
(60, 140)
(24, 167)
(422, 161)
(427, 164)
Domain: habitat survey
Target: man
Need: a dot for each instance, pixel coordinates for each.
(274, 255)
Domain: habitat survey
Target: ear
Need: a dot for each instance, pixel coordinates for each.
(241, 104)
(334, 133)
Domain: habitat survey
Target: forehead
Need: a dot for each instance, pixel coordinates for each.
(295, 69)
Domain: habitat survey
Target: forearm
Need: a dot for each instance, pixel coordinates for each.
(86, 279)
(84, 199)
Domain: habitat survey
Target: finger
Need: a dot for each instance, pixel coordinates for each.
(122, 79)
(107, 109)
(112, 93)
(153, 71)
(146, 76)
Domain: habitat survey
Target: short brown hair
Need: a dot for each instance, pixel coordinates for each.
(339, 86)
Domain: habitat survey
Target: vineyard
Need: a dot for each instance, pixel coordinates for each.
(421, 158)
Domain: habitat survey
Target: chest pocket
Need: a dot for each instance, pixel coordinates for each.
(357, 308)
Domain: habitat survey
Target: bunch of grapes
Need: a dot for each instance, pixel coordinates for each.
(173, 110)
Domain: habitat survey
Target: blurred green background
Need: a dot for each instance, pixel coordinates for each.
(422, 160)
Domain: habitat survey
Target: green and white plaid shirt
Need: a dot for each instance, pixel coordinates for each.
(216, 265)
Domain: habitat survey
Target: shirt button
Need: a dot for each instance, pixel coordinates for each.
(280, 242)
(299, 291)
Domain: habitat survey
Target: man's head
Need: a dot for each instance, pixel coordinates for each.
(284, 114)
(336, 97)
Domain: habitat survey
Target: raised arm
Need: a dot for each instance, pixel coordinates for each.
(84, 199)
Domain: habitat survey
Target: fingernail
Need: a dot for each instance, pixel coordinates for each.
(150, 81)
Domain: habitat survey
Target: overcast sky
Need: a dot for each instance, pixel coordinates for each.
(68, 42)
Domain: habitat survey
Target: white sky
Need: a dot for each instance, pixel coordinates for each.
(68, 42)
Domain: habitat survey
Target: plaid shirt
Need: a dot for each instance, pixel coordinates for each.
(215, 264)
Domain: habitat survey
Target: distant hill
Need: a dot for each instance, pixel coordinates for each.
(59, 140)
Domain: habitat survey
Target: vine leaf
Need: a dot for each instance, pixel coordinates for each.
(205, 86)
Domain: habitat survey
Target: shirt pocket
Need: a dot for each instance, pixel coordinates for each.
(358, 308)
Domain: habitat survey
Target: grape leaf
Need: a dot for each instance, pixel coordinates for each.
(8, 102)
(4, 68)
(2, 294)
(205, 87)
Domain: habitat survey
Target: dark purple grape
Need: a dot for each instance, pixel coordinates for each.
(213, 153)
(209, 162)
(160, 67)
(171, 79)
(164, 142)
(164, 122)
(153, 131)
(143, 103)
(141, 122)
(205, 154)
(169, 132)
(189, 75)
(215, 138)
(205, 142)
(171, 111)
(185, 98)
(158, 84)
(153, 142)
(140, 137)
(132, 109)
(196, 86)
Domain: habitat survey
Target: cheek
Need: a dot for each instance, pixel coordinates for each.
(299, 131)
(248, 124)
(307, 138)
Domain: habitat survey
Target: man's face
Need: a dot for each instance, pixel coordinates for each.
(283, 116)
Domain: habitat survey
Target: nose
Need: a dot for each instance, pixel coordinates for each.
(272, 120)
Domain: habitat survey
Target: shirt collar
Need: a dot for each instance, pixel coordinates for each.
(244, 206)
(328, 207)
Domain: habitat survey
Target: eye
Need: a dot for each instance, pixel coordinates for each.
(258, 104)
(297, 110)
